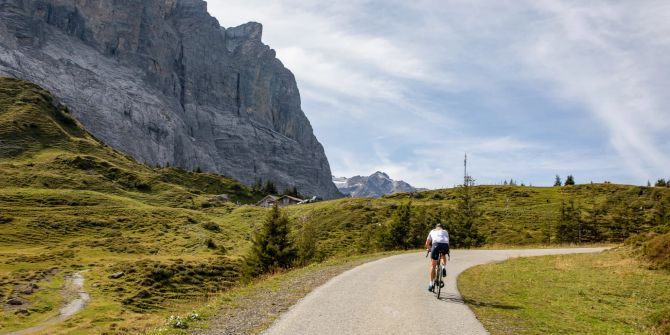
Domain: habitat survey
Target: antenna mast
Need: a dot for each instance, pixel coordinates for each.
(465, 170)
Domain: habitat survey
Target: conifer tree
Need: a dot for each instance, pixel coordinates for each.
(397, 232)
(462, 222)
(557, 182)
(272, 248)
(569, 180)
(269, 188)
(292, 191)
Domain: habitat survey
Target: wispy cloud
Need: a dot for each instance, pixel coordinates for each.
(528, 88)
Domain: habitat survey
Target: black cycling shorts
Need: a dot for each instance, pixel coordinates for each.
(436, 248)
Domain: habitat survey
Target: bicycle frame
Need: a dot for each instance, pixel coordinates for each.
(438, 283)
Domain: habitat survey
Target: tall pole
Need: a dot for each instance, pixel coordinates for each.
(465, 170)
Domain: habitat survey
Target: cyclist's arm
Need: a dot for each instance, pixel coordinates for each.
(429, 242)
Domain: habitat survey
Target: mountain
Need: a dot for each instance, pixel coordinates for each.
(376, 185)
(162, 81)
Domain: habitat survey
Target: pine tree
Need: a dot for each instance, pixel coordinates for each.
(569, 180)
(272, 248)
(421, 223)
(462, 221)
(569, 228)
(397, 231)
(557, 182)
(258, 185)
(269, 188)
(292, 191)
(661, 183)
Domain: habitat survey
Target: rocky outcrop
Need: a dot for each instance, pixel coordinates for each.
(375, 185)
(162, 81)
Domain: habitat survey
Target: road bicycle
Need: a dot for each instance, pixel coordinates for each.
(438, 283)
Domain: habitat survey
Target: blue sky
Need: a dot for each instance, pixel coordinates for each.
(528, 88)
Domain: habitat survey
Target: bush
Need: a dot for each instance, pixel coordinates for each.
(210, 244)
(657, 251)
(211, 226)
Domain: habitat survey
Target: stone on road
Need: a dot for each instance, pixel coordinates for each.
(390, 296)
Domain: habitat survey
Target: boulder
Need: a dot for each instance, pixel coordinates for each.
(116, 275)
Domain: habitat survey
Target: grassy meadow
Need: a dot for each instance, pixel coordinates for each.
(613, 292)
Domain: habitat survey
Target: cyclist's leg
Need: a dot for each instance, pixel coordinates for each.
(433, 264)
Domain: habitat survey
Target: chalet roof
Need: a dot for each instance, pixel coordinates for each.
(292, 198)
(270, 197)
(275, 198)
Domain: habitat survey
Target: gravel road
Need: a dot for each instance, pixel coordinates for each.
(390, 296)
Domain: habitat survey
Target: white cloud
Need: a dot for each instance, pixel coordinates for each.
(585, 50)
(415, 84)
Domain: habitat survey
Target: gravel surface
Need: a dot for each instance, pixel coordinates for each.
(390, 296)
(74, 286)
(252, 313)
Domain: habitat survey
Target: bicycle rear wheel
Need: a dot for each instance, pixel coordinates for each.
(439, 280)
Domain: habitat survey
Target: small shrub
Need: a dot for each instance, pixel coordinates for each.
(143, 187)
(211, 226)
(5, 219)
(211, 244)
(657, 251)
(63, 115)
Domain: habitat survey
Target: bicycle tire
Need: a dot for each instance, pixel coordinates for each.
(439, 279)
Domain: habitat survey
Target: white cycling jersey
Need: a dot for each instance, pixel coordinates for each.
(438, 236)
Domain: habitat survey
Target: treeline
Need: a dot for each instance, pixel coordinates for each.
(270, 188)
(582, 214)
(661, 183)
(569, 181)
(274, 246)
(408, 227)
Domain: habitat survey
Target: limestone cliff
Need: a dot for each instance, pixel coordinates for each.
(162, 81)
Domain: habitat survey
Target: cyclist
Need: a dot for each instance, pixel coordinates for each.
(437, 241)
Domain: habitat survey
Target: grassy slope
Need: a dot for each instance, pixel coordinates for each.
(605, 293)
(512, 215)
(69, 202)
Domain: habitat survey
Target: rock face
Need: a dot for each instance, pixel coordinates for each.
(162, 81)
(376, 185)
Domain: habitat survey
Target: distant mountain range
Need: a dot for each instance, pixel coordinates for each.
(375, 185)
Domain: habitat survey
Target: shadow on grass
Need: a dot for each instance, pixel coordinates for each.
(456, 299)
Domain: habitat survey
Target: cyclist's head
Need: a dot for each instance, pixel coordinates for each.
(438, 226)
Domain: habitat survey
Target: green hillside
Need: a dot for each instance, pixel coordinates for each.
(512, 215)
(70, 203)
